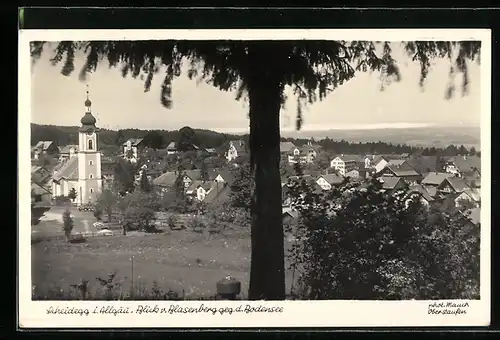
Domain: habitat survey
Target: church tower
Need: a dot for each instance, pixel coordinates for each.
(89, 158)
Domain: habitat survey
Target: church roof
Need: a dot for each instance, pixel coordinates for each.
(68, 171)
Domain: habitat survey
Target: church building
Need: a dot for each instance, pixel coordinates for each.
(81, 172)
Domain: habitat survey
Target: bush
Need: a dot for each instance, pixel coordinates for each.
(62, 200)
(362, 243)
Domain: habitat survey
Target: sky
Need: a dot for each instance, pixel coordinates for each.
(120, 103)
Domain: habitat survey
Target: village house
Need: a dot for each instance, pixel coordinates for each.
(452, 185)
(392, 184)
(198, 189)
(44, 148)
(132, 149)
(67, 152)
(166, 181)
(218, 193)
(468, 196)
(463, 166)
(304, 154)
(40, 194)
(420, 192)
(474, 216)
(39, 174)
(404, 170)
(434, 179)
(171, 149)
(345, 163)
(425, 164)
(379, 162)
(107, 172)
(236, 149)
(82, 173)
(222, 176)
(357, 174)
(326, 182)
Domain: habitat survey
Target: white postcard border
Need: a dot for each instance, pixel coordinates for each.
(32, 314)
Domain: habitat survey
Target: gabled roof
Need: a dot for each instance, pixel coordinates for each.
(292, 213)
(333, 178)
(68, 171)
(286, 146)
(458, 184)
(467, 164)
(436, 178)
(423, 164)
(35, 168)
(389, 182)
(422, 191)
(218, 192)
(171, 146)
(167, 179)
(355, 158)
(475, 215)
(473, 193)
(396, 162)
(133, 141)
(38, 189)
(196, 184)
(43, 145)
(194, 175)
(403, 170)
(226, 175)
(239, 145)
(66, 148)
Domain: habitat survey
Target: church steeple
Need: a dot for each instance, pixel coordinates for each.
(88, 120)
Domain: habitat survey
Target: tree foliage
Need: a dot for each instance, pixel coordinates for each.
(124, 177)
(68, 224)
(108, 202)
(361, 243)
(72, 194)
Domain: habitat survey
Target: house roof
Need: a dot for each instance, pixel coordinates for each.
(35, 168)
(473, 193)
(133, 141)
(239, 145)
(43, 145)
(432, 190)
(355, 158)
(194, 175)
(171, 146)
(475, 215)
(287, 146)
(389, 182)
(396, 162)
(422, 191)
(166, 179)
(436, 178)
(467, 164)
(211, 150)
(66, 148)
(333, 178)
(38, 189)
(226, 175)
(403, 170)
(424, 164)
(195, 184)
(458, 184)
(218, 192)
(68, 171)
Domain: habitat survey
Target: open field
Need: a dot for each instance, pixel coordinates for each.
(175, 260)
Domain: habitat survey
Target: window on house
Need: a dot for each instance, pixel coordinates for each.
(91, 163)
(90, 145)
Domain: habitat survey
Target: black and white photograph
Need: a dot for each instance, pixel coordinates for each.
(199, 170)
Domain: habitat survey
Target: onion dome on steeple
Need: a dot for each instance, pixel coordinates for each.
(88, 120)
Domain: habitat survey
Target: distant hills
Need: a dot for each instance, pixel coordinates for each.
(434, 136)
(438, 137)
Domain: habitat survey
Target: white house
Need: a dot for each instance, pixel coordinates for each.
(82, 172)
(235, 150)
(327, 181)
(131, 149)
(346, 163)
(171, 149)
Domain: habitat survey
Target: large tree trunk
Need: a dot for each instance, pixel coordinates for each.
(267, 272)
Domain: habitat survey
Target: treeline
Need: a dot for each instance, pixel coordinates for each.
(157, 139)
(64, 135)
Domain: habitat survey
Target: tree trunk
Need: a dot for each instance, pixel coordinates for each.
(267, 272)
